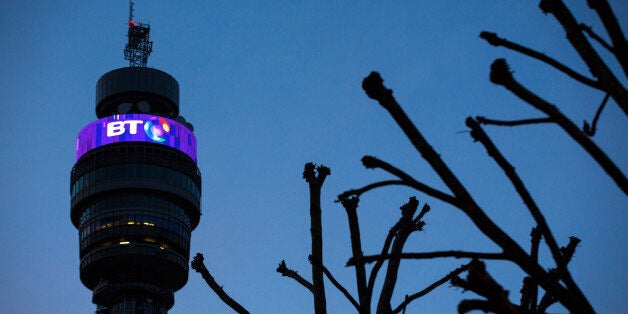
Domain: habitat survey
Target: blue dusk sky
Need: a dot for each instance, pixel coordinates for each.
(271, 85)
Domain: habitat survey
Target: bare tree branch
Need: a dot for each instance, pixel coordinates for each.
(199, 266)
(335, 282)
(371, 162)
(569, 250)
(546, 301)
(351, 205)
(529, 289)
(407, 226)
(611, 24)
(427, 255)
(572, 300)
(524, 302)
(567, 253)
(378, 265)
(287, 272)
(596, 65)
(533, 287)
(535, 241)
(486, 121)
(315, 177)
(479, 135)
(501, 75)
(495, 40)
(430, 288)
(386, 247)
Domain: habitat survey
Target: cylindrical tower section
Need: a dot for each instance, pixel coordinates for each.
(135, 194)
(137, 90)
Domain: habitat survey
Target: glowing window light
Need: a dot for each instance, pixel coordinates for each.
(124, 242)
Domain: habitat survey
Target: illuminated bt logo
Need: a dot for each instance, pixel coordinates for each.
(116, 128)
(155, 128)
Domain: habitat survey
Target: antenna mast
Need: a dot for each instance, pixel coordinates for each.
(139, 45)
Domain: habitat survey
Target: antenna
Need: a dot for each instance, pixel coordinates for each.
(139, 45)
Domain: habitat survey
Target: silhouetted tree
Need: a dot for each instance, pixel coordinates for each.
(557, 283)
(543, 285)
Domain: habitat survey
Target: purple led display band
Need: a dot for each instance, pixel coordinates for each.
(136, 128)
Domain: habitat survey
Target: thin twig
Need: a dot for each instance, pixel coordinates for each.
(529, 289)
(371, 162)
(568, 251)
(533, 287)
(335, 282)
(479, 135)
(378, 264)
(424, 210)
(427, 255)
(589, 30)
(287, 272)
(590, 130)
(366, 188)
(524, 302)
(199, 266)
(487, 121)
(495, 40)
(430, 288)
(501, 75)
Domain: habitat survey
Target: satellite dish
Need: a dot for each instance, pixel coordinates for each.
(143, 106)
(124, 107)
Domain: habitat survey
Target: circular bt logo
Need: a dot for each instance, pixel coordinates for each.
(156, 128)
